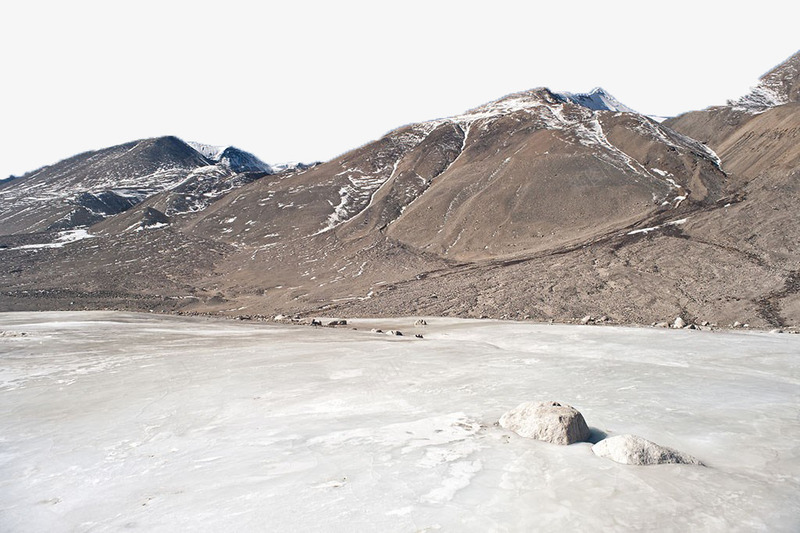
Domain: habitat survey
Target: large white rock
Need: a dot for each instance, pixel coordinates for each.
(547, 421)
(633, 450)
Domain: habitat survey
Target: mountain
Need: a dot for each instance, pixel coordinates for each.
(538, 204)
(92, 186)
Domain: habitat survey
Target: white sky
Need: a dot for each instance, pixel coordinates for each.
(306, 80)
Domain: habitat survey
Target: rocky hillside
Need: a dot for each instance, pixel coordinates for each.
(538, 204)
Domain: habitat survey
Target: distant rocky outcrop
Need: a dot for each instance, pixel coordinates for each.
(547, 421)
(633, 450)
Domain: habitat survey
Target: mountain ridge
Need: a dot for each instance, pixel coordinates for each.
(532, 205)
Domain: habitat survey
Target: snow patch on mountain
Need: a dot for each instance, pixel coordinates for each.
(64, 238)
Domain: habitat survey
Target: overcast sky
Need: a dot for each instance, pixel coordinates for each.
(307, 81)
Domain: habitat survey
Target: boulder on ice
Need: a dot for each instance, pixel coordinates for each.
(633, 450)
(547, 421)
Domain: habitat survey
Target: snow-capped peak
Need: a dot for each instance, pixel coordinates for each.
(231, 157)
(209, 151)
(597, 99)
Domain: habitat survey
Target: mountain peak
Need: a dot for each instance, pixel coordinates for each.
(231, 157)
(597, 99)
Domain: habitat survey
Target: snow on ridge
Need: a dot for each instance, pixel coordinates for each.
(522, 101)
(760, 98)
(771, 90)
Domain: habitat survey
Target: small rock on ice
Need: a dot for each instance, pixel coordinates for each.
(547, 421)
(633, 450)
(679, 323)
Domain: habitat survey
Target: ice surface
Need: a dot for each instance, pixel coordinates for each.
(112, 421)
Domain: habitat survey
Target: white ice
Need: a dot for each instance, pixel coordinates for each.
(112, 421)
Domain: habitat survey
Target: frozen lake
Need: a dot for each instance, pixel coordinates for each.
(113, 421)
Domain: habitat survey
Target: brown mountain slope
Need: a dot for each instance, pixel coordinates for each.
(521, 174)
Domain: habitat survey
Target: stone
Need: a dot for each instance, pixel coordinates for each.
(420, 322)
(661, 325)
(679, 323)
(394, 332)
(737, 324)
(547, 421)
(375, 330)
(337, 323)
(634, 450)
(585, 320)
